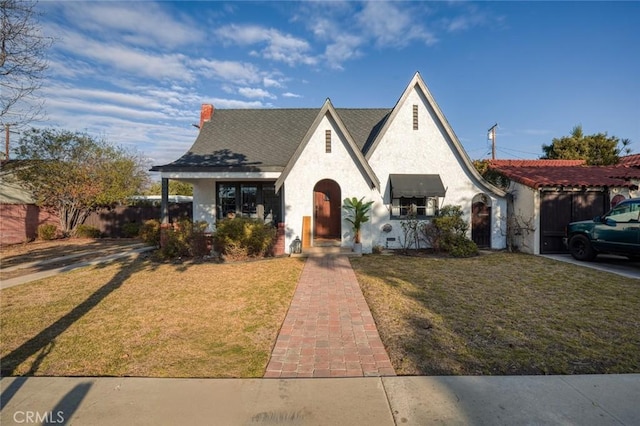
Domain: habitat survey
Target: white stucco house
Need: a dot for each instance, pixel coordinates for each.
(294, 167)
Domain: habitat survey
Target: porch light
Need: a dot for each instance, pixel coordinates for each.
(295, 246)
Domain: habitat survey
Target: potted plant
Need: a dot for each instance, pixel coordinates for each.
(358, 214)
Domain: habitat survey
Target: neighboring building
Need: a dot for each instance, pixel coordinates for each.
(546, 195)
(19, 215)
(295, 167)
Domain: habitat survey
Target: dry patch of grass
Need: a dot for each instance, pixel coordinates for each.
(501, 314)
(140, 318)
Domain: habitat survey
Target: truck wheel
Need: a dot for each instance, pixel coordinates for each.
(580, 248)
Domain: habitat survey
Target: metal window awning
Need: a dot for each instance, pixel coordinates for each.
(416, 186)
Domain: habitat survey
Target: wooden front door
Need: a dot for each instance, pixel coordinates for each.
(481, 224)
(327, 206)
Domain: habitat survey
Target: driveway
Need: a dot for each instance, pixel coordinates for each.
(604, 262)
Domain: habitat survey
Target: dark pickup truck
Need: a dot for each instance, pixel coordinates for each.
(617, 232)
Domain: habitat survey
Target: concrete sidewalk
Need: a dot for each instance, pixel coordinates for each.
(510, 400)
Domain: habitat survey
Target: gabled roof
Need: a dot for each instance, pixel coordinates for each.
(264, 139)
(269, 139)
(441, 121)
(352, 145)
(539, 176)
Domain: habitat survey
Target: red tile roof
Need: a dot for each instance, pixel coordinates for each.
(570, 176)
(630, 161)
(536, 163)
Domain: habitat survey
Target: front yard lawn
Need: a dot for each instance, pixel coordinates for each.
(501, 313)
(140, 318)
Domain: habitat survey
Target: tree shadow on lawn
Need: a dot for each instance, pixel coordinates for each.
(44, 341)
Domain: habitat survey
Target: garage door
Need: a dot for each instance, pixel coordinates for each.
(557, 209)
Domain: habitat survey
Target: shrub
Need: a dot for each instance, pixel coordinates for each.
(240, 238)
(460, 246)
(47, 231)
(447, 232)
(150, 232)
(130, 229)
(87, 231)
(185, 239)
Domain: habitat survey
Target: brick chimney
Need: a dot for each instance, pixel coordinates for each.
(205, 113)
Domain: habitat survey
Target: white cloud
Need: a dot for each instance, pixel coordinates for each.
(234, 103)
(470, 16)
(255, 93)
(344, 47)
(291, 95)
(270, 82)
(126, 59)
(278, 47)
(235, 72)
(393, 24)
(140, 23)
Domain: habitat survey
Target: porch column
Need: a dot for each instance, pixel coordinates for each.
(164, 206)
(164, 212)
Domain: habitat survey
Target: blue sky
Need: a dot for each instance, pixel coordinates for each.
(136, 73)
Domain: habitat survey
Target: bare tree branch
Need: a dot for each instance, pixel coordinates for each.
(22, 62)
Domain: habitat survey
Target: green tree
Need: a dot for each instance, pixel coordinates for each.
(597, 149)
(490, 175)
(176, 187)
(75, 173)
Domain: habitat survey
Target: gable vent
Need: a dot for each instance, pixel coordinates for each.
(327, 141)
(415, 117)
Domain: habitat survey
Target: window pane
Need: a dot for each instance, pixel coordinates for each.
(226, 199)
(271, 204)
(249, 201)
(418, 206)
(432, 206)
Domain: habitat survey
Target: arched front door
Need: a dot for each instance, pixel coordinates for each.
(327, 205)
(481, 221)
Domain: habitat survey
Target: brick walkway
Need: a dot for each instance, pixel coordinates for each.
(328, 330)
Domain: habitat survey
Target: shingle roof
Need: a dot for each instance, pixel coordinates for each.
(570, 176)
(264, 139)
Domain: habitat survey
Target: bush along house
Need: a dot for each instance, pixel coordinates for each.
(294, 167)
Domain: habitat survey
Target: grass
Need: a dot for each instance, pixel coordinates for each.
(501, 314)
(140, 318)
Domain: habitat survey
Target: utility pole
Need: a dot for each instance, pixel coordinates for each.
(492, 137)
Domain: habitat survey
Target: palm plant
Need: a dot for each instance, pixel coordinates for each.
(358, 211)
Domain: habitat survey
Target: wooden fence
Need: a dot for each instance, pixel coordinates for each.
(111, 221)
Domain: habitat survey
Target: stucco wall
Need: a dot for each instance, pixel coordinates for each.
(525, 214)
(204, 201)
(427, 151)
(313, 165)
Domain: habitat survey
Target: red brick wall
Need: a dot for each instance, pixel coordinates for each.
(19, 222)
(279, 248)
